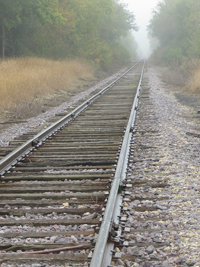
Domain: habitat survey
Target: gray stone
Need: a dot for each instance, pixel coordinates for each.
(150, 249)
(135, 203)
(132, 243)
(154, 257)
(135, 265)
(181, 260)
(53, 238)
(160, 207)
(61, 241)
(120, 263)
(135, 252)
(148, 264)
(191, 262)
(30, 216)
(157, 240)
(165, 264)
(74, 239)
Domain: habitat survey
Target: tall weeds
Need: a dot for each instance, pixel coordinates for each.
(186, 76)
(193, 83)
(24, 79)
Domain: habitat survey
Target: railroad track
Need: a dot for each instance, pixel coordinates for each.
(55, 186)
(81, 193)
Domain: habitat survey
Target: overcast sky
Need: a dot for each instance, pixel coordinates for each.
(142, 9)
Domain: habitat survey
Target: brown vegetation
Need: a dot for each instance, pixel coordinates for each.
(173, 77)
(186, 76)
(25, 79)
(193, 83)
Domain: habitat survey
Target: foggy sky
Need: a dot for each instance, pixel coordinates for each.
(142, 9)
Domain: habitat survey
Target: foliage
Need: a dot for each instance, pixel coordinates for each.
(174, 56)
(58, 29)
(176, 25)
(19, 18)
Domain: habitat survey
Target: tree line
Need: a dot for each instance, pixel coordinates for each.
(60, 29)
(175, 24)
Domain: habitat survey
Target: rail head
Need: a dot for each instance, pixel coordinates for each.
(19, 153)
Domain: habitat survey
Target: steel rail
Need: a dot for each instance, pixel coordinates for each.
(19, 153)
(120, 174)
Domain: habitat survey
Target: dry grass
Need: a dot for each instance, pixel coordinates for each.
(24, 79)
(186, 77)
(173, 77)
(193, 85)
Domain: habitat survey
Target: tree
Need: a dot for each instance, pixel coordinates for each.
(14, 13)
(176, 25)
(90, 29)
(9, 16)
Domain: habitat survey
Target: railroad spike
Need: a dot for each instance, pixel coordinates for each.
(127, 230)
(117, 256)
(90, 255)
(35, 142)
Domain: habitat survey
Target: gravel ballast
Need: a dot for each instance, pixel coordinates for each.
(179, 127)
(172, 154)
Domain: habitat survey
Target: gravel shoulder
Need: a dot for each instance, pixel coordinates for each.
(179, 126)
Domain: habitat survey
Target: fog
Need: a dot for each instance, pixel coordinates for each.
(142, 9)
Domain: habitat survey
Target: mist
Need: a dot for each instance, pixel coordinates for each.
(143, 11)
(144, 50)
